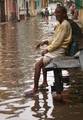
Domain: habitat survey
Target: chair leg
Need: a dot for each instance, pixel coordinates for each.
(58, 83)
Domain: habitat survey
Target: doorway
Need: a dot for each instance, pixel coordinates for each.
(2, 10)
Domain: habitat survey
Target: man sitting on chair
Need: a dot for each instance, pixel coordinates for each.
(55, 47)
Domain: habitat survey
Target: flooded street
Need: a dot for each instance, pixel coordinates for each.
(17, 58)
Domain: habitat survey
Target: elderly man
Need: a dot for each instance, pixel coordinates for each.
(55, 47)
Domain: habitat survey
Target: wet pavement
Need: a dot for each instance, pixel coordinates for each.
(17, 58)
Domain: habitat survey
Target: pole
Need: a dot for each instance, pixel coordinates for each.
(25, 9)
(18, 13)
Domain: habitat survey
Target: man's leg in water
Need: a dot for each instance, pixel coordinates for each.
(46, 60)
(38, 66)
(44, 84)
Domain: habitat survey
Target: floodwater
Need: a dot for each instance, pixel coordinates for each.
(17, 58)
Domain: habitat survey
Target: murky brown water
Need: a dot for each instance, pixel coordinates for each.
(17, 58)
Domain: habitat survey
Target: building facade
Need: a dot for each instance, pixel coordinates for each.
(20, 9)
(8, 10)
(31, 7)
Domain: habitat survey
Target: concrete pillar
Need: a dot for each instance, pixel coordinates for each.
(32, 12)
(81, 16)
(7, 10)
(17, 11)
(44, 3)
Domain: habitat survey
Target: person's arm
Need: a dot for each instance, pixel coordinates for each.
(58, 38)
(42, 43)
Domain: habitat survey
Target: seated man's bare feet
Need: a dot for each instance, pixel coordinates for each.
(35, 90)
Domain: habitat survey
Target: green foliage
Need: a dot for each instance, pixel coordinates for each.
(79, 3)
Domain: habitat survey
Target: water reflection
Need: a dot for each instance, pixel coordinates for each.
(10, 63)
(11, 74)
(17, 57)
(43, 106)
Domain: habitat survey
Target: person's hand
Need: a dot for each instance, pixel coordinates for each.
(41, 44)
(38, 46)
(44, 52)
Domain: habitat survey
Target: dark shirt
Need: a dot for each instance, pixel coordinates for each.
(76, 38)
(46, 13)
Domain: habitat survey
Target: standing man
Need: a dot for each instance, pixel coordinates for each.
(46, 14)
(55, 47)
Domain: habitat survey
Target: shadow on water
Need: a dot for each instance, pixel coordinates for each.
(17, 58)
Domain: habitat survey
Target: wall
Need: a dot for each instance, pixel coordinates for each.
(10, 10)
